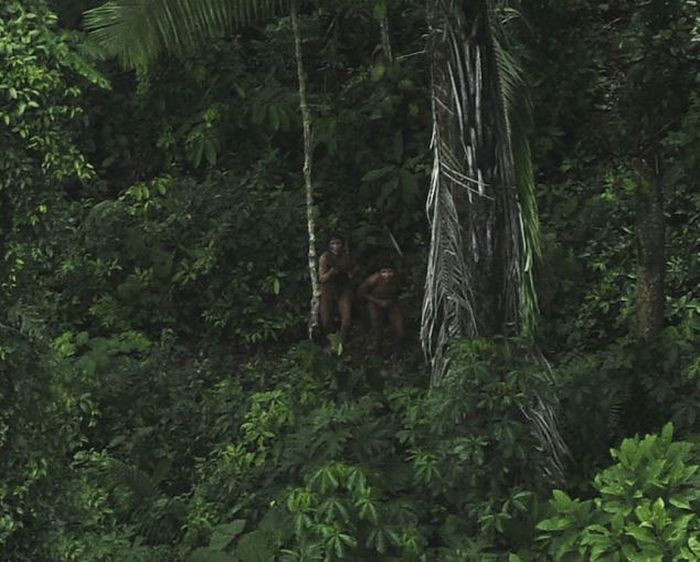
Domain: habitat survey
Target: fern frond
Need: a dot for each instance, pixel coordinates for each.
(27, 321)
(138, 482)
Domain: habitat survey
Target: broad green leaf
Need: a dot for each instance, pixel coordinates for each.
(224, 534)
(554, 524)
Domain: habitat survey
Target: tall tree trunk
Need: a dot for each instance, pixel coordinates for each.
(481, 202)
(308, 155)
(474, 282)
(651, 257)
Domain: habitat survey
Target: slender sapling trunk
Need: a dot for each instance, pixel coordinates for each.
(308, 154)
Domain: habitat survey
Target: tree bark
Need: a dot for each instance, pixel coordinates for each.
(308, 156)
(651, 255)
(476, 269)
(386, 39)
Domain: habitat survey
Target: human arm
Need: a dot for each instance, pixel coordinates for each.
(325, 269)
(351, 268)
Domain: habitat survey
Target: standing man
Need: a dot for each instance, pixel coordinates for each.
(380, 290)
(335, 269)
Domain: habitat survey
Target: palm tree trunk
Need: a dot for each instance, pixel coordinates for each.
(476, 267)
(308, 155)
(481, 202)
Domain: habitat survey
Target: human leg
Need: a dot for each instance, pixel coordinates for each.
(326, 311)
(376, 319)
(397, 325)
(345, 310)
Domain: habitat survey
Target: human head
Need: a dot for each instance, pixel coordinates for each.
(387, 273)
(336, 243)
(386, 269)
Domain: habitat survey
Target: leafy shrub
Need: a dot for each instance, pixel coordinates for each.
(222, 257)
(356, 463)
(39, 426)
(645, 509)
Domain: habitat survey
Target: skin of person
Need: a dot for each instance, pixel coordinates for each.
(380, 291)
(335, 270)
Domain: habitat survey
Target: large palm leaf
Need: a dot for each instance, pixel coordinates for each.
(137, 31)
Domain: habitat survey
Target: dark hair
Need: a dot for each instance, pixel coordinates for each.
(384, 262)
(336, 236)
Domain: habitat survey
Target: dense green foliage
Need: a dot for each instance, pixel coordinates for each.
(156, 403)
(646, 508)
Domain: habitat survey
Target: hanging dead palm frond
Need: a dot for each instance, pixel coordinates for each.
(481, 200)
(481, 203)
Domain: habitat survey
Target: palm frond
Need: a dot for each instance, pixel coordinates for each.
(137, 31)
(472, 204)
(481, 205)
(26, 320)
(136, 481)
(518, 113)
(447, 309)
(542, 415)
